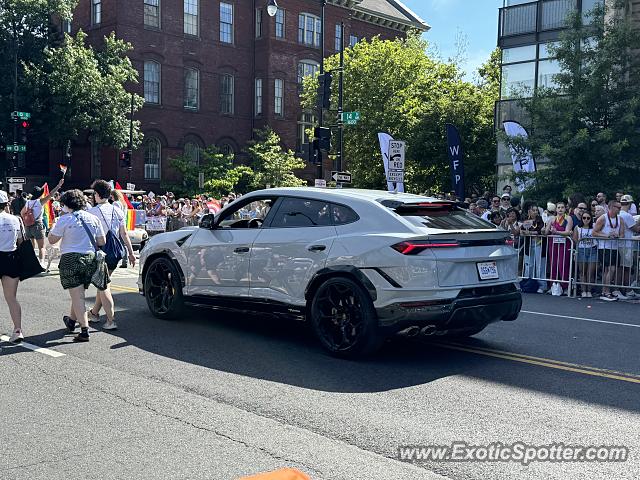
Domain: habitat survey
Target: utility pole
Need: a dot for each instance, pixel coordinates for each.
(340, 101)
(323, 3)
(14, 155)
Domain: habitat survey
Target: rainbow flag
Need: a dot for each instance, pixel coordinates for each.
(130, 216)
(48, 216)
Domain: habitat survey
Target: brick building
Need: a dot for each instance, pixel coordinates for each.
(212, 71)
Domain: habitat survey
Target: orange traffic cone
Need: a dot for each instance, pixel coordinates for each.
(284, 474)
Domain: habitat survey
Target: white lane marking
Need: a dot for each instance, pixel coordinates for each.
(35, 348)
(582, 319)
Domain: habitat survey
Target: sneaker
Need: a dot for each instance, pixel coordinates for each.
(110, 325)
(17, 337)
(81, 337)
(540, 290)
(584, 295)
(618, 294)
(589, 295)
(608, 298)
(631, 294)
(69, 323)
(93, 318)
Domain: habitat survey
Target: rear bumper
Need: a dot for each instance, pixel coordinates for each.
(464, 312)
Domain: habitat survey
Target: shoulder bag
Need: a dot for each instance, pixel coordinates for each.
(29, 265)
(100, 277)
(113, 247)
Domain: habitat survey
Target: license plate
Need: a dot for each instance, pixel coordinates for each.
(488, 270)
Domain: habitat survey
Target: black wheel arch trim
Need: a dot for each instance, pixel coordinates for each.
(347, 270)
(172, 258)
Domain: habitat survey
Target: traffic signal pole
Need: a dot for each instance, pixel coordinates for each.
(323, 3)
(130, 168)
(340, 100)
(14, 155)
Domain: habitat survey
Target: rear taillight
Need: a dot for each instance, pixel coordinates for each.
(413, 247)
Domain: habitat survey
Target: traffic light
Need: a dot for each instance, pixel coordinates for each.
(23, 132)
(324, 90)
(309, 152)
(323, 136)
(125, 159)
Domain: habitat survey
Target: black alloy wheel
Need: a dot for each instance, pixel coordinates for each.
(163, 289)
(344, 319)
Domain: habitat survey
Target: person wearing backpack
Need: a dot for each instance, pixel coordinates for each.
(31, 215)
(116, 239)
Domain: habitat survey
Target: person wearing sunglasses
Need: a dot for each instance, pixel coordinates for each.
(587, 248)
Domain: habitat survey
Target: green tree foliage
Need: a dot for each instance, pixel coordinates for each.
(271, 163)
(220, 174)
(67, 86)
(399, 89)
(588, 127)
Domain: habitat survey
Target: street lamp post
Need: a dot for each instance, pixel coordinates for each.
(323, 3)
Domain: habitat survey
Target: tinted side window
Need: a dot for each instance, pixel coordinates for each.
(301, 212)
(342, 215)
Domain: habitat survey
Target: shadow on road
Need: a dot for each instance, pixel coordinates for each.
(286, 352)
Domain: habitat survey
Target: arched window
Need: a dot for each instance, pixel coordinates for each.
(226, 149)
(192, 152)
(152, 155)
(151, 82)
(191, 88)
(305, 123)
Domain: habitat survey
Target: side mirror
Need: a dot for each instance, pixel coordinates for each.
(208, 221)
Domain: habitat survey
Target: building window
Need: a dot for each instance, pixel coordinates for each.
(226, 94)
(226, 22)
(226, 150)
(305, 124)
(191, 17)
(66, 26)
(96, 12)
(353, 40)
(96, 159)
(587, 9)
(309, 29)
(547, 69)
(191, 88)
(151, 82)
(280, 23)
(518, 80)
(152, 13)
(278, 107)
(519, 54)
(258, 23)
(338, 45)
(152, 151)
(306, 68)
(192, 153)
(258, 96)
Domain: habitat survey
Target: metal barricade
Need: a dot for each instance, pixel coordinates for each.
(548, 259)
(606, 265)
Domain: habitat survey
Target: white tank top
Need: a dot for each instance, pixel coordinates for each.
(611, 225)
(585, 237)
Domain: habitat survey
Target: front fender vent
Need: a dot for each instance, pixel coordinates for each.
(182, 240)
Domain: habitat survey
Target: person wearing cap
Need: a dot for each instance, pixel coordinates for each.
(627, 252)
(505, 203)
(10, 238)
(628, 199)
(35, 232)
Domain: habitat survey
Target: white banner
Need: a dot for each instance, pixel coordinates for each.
(384, 139)
(522, 160)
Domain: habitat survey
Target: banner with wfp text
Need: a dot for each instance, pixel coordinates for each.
(521, 157)
(456, 159)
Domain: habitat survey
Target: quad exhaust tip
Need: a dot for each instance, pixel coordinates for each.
(410, 332)
(428, 330)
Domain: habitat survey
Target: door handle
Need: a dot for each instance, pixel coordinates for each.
(241, 250)
(317, 248)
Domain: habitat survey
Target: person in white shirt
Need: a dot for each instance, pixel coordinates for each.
(627, 250)
(77, 231)
(10, 238)
(112, 219)
(35, 232)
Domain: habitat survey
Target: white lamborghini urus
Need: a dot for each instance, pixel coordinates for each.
(359, 265)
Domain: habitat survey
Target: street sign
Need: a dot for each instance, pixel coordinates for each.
(320, 183)
(16, 180)
(396, 176)
(16, 148)
(21, 115)
(350, 118)
(396, 161)
(341, 177)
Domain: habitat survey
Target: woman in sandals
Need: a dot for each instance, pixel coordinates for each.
(112, 219)
(10, 238)
(79, 234)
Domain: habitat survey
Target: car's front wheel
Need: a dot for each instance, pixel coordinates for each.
(344, 319)
(163, 289)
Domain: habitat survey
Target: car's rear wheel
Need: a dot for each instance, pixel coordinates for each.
(163, 289)
(343, 318)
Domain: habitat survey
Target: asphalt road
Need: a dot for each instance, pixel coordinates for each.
(220, 396)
